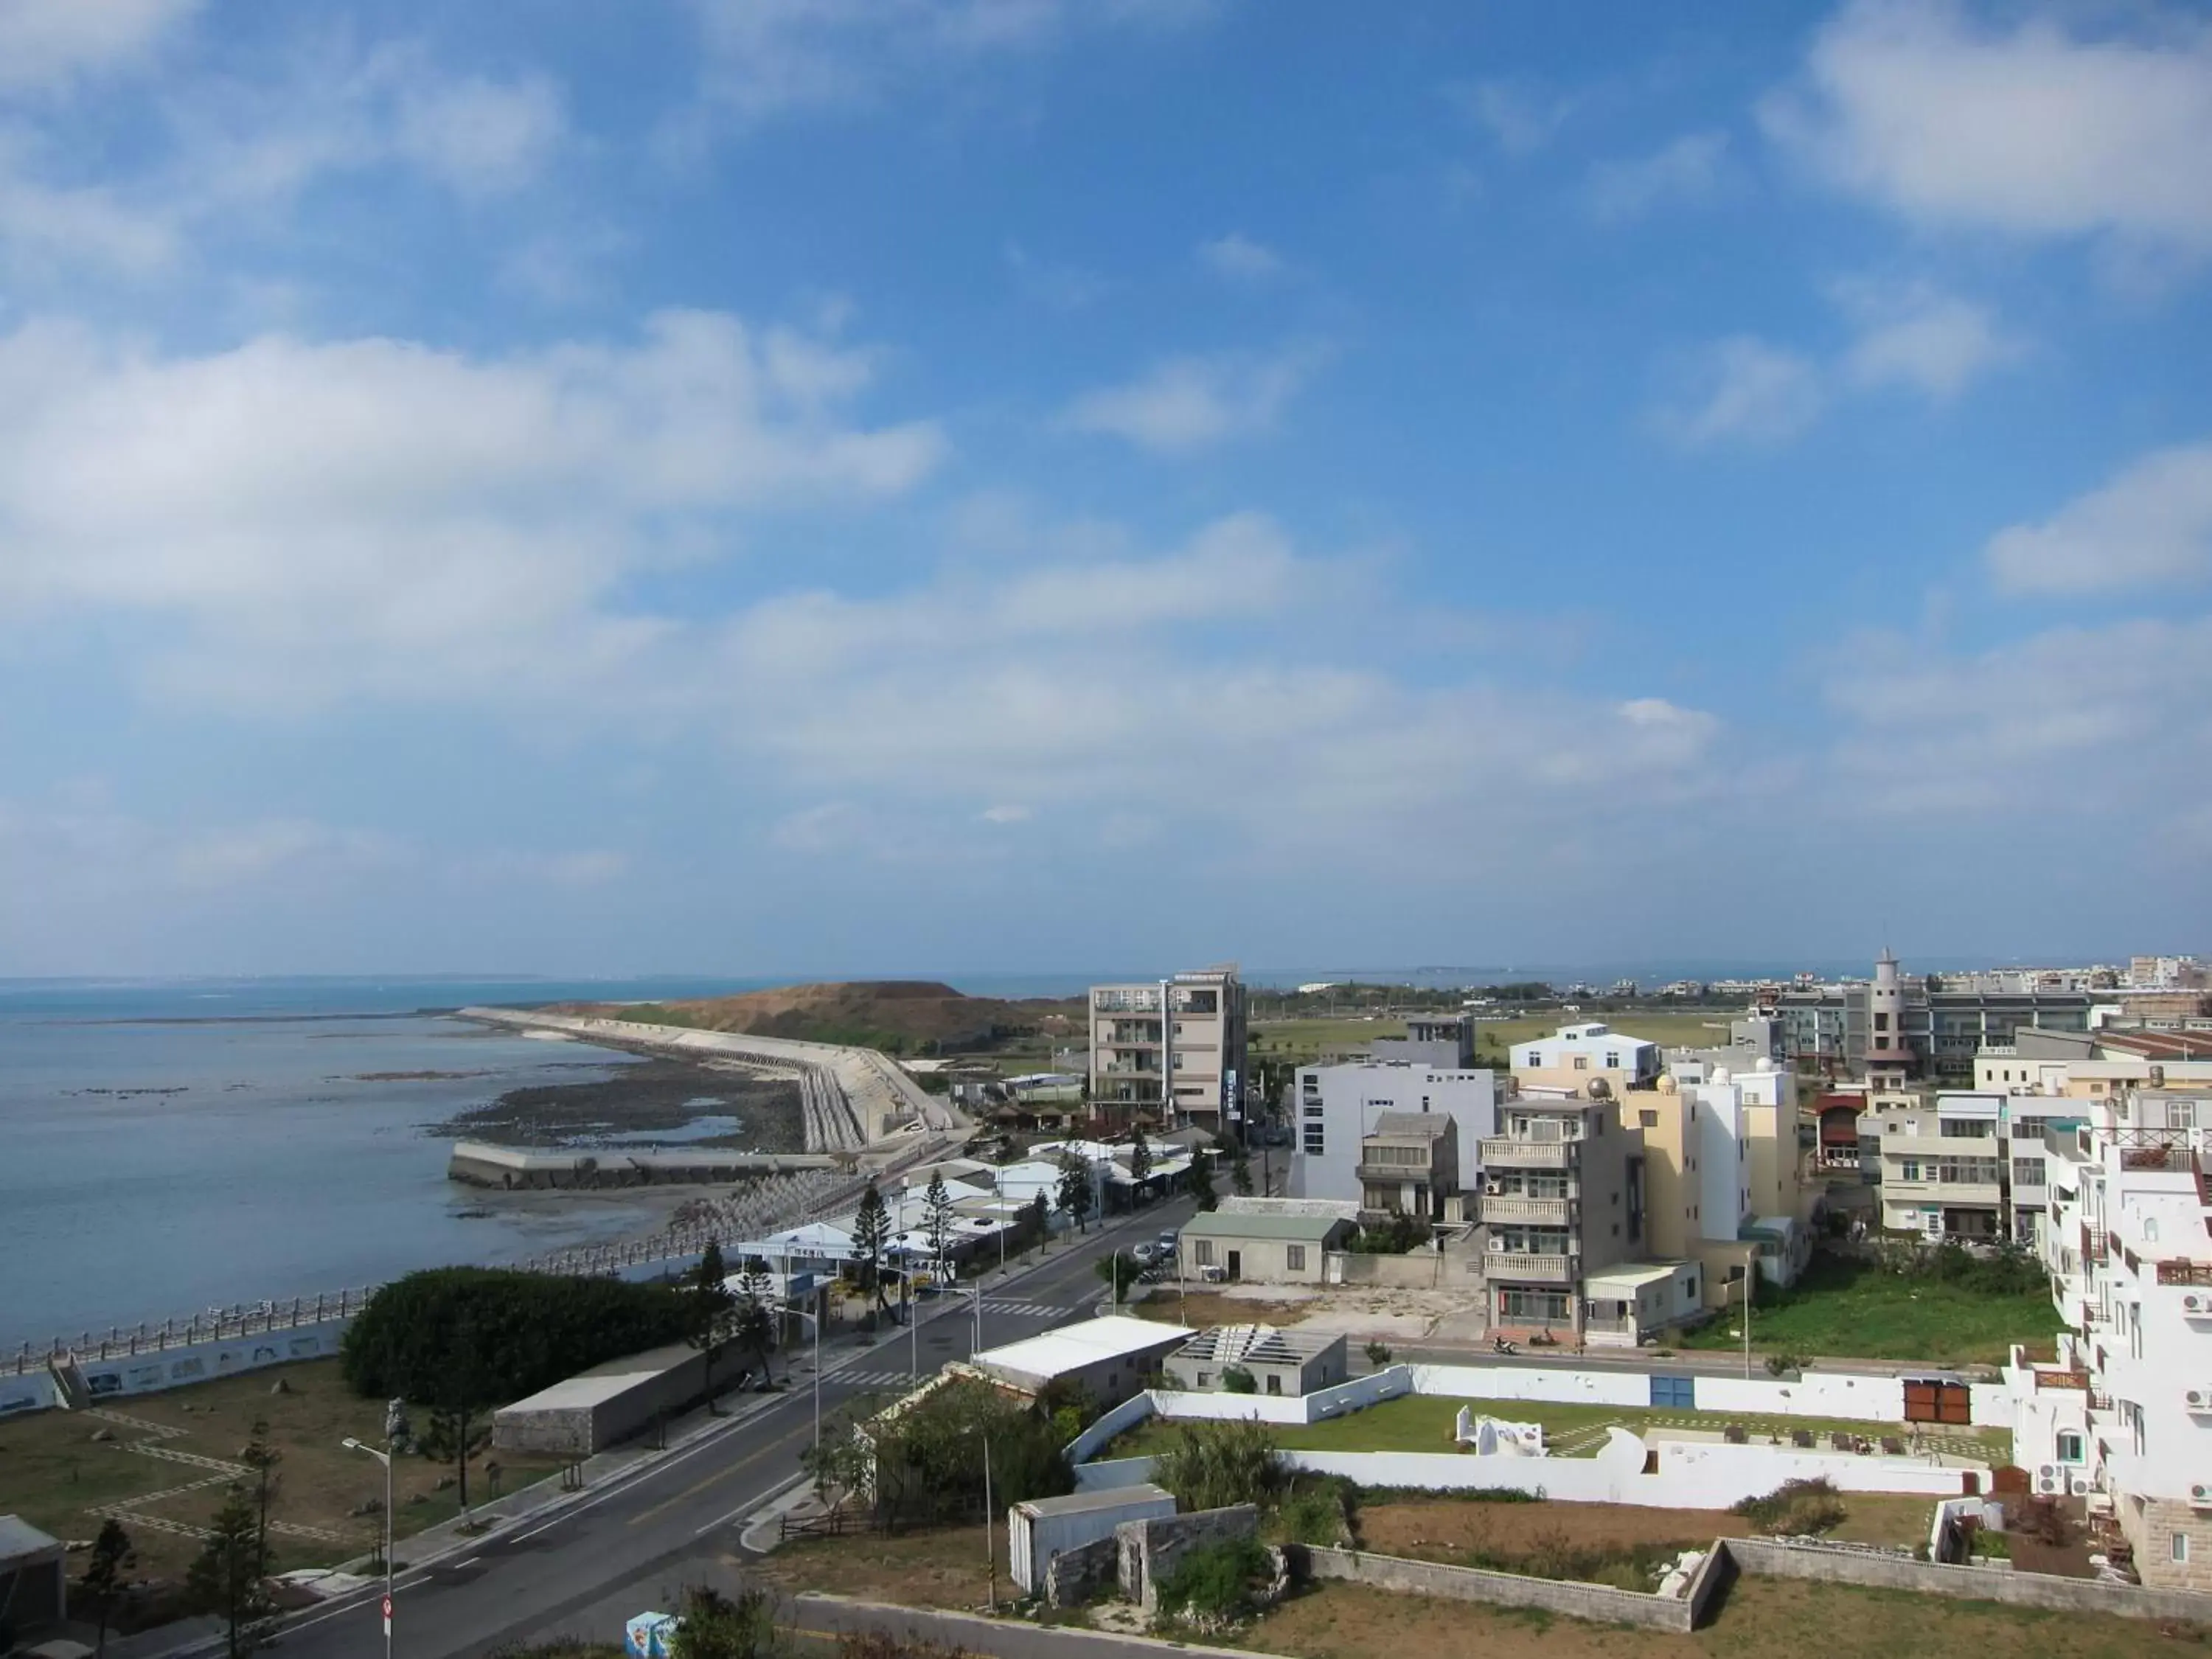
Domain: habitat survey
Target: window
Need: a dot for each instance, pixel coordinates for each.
(1908, 1169)
(2069, 1447)
(1648, 1118)
(1274, 1383)
(1294, 1257)
(1202, 1252)
(2178, 1547)
(1613, 1062)
(1205, 1377)
(2027, 1172)
(1535, 1059)
(1582, 1062)
(1882, 1023)
(1314, 1140)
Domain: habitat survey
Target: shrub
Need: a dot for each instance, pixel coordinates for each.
(1208, 1466)
(1215, 1581)
(1379, 1354)
(1318, 1510)
(1795, 1509)
(1237, 1380)
(929, 1461)
(510, 1332)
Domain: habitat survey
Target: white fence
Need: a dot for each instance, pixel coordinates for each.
(1689, 1476)
(1846, 1396)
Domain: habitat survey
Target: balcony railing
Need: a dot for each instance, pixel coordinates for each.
(1389, 1174)
(1533, 1212)
(1538, 1269)
(2185, 1272)
(1503, 1152)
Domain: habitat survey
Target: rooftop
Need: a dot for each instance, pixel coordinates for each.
(21, 1541)
(1304, 1229)
(1262, 1345)
(1106, 1498)
(1071, 1347)
(1635, 1273)
(1427, 1126)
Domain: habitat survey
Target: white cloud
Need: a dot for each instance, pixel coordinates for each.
(764, 59)
(2099, 707)
(1185, 404)
(1916, 337)
(1007, 812)
(1690, 170)
(2150, 526)
(480, 136)
(1520, 116)
(1238, 258)
(2042, 127)
(311, 520)
(1743, 390)
(47, 43)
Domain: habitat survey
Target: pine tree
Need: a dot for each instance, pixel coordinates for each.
(112, 1555)
(1200, 1178)
(262, 1458)
(1240, 1175)
(1041, 1218)
(1075, 1192)
(937, 1207)
(755, 1321)
(226, 1579)
(872, 1232)
(709, 1307)
(1141, 1156)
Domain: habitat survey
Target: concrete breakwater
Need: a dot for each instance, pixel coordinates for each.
(851, 1097)
(478, 1163)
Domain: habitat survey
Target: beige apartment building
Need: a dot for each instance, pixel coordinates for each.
(1409, 1164)
(1173, 1048)
(1562, 1200)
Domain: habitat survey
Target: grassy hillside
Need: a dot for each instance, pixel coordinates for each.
(900, 1017)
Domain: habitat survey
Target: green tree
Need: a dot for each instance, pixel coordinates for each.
(1199, 1178)
(1120, 1270)
(754, 1318)
(460, 1392)
(111, 1557)
(1237, 1380)
(262, 1457)
(227, 1578)
(1140, 1158)
(1074, 1196)
(717, 1626)
(712, 1307)
(938, 1217)
(1208, 1466)
(1041, 1218)
(1240, 1175)
(872, 1232)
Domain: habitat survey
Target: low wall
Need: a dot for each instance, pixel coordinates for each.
(1847, 1397)
(1399, 1272)
(1771, 1559)
(1073, 1576)
(177, 1366)
(1126, 1415)
(1149, 1550)
(1511, 1589)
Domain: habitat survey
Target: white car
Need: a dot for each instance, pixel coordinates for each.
(1142, 1255)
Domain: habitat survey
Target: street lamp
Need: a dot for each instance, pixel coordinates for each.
(815, 1319)
(990, 1548)
(395, 1427)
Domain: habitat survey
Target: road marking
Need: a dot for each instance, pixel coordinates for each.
(694, 1490)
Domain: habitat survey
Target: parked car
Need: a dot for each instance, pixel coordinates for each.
(1143, 1255)
(1168, 1240)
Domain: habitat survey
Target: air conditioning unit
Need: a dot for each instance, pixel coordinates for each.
(2200, 1494)
(2050, 1485)
(2081, 1485)
(2195, 1304)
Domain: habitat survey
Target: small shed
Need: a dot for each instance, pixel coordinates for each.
(1280, 1362)
(1278, 1248)
(1043, 1527)
(1110, 1357)
(35, 1575)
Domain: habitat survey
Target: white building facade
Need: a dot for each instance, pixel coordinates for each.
(2125, 1417)
(1339, 1106)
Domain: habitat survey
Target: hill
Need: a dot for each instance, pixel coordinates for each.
(900, 1017)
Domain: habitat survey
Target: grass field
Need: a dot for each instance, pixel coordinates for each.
(1852, 1307)
(1417, 1422)
(53, 1473)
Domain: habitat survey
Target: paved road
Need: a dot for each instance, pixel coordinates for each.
(633, 1545)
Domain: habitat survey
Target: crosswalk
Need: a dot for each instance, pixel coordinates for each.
(1031, 1310)
(897, 1379)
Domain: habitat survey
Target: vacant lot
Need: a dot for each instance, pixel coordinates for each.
(1452, 1528)
(54, 1473)
(1416, 1422)
(939, 1567)
(1853, 1308)
(1760, 1619)
(1202, 1310)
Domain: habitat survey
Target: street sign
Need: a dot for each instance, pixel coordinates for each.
(387, 1615)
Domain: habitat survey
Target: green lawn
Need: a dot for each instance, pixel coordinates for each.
(1423, 1423)
(1852, 1307)
(1300, 1041)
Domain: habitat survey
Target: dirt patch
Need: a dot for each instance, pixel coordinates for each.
(1203, 1309)
(938, 1567)
(1759, 1619)
(1449, 1529)
(637, 1102)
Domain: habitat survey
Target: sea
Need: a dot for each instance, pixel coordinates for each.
(170, 1146)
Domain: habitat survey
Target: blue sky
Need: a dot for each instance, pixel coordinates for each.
(846, 486)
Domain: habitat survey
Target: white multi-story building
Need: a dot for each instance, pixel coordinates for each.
(1575, 1056)
(1199, 1044)
(2124, 1416)
(1968, 1163)
(1338, 1107)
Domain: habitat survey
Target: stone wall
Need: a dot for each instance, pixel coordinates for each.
(2152, 1529)
(1512, 1589)
(1148, 1551)
(1073, 1576)
(1768, 1558)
